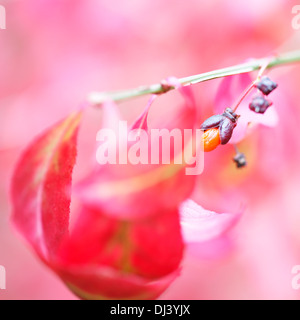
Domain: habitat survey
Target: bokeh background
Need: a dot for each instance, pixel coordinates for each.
(54, 52)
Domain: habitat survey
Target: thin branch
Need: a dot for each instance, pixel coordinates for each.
(249, 66)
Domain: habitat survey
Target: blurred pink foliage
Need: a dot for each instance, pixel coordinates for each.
(55, 52)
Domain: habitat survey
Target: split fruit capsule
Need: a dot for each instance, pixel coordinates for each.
(218, 129)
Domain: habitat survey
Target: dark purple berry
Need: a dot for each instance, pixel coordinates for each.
(259, 104)
(266, 85)
(240, 160)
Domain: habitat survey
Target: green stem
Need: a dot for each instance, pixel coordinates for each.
(251, 65)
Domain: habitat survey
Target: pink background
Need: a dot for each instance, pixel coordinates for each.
(54, 52)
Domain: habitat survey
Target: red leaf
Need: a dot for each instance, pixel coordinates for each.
(41, 186)
(108, 258)
(150, 248)
(94, 283)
